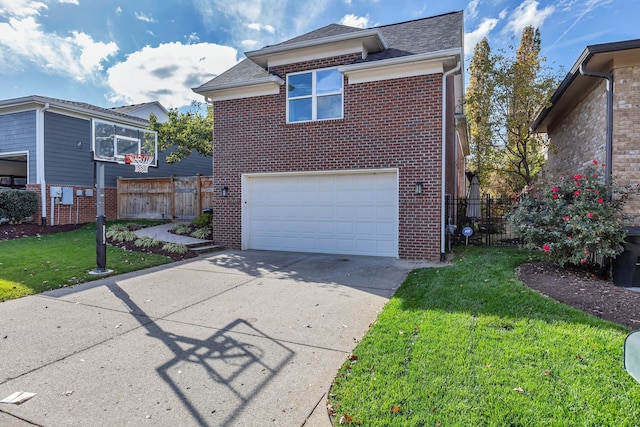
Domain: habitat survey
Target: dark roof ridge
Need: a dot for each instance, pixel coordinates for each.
(413, 20)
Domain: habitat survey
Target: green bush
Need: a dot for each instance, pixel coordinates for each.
(572, 219)
(203, 220)
(17, 205)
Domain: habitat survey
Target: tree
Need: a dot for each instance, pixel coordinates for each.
(478, 108)
(523, 87)
(185, 132)
(506, 92)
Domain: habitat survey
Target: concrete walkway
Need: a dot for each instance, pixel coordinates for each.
(232, 339)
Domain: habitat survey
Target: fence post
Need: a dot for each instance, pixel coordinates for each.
(488, 220)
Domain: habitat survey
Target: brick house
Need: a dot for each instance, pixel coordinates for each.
(47, 142)
(576, 119)
(342, 140)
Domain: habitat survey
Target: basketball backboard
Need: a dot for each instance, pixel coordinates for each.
(112, 142)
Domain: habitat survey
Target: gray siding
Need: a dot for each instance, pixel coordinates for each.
(67, 147)
(18, 133)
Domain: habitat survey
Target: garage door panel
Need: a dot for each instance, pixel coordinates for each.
(342, 213)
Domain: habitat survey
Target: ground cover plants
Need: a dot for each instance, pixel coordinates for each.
(41, 262)
(470, 345)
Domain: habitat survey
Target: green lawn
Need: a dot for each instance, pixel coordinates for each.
(35, 264)
(470, 345)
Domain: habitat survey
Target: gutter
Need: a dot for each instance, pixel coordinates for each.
(40, 178)
(609, 142)
(444, 158)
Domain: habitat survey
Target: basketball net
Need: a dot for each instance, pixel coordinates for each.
(141, 162)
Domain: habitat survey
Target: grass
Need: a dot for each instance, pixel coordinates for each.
(36, 264)
(470, 345)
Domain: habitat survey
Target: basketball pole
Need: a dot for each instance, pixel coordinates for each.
(101, 223)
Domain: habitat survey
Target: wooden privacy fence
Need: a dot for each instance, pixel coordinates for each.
(164, 198)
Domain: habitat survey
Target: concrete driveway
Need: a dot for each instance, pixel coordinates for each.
(246, 338)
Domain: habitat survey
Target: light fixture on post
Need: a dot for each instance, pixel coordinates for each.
(419, 187)
(225, 191)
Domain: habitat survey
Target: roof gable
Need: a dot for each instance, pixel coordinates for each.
(429, 38)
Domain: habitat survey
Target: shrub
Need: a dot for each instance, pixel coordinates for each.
(203, 233)
(180, 229)
(203, 220)
(17, 205)
(146, 242)
(175, 248)
(120, 233)
(572, 219)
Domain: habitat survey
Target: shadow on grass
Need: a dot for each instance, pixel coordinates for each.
(483, 282)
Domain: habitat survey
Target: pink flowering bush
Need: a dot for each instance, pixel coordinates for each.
(572, 219)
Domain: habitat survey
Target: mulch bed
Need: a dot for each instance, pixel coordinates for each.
(583, 290)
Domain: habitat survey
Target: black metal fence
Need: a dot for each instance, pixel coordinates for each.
(480, 222)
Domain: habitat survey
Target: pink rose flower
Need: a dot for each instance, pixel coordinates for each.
(546, 248)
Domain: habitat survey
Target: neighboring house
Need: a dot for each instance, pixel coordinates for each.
(342, 140)
(576, 120)
(144, 110)
(47, 142)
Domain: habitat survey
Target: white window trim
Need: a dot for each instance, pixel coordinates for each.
(314, 97)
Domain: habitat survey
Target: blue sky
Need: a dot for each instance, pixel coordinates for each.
(112, 52)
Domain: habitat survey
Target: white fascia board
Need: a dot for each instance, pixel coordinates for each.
(318, 52)
(372, 39)
(404, 66)
(247, 89)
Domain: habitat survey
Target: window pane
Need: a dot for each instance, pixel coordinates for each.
(328, 81)
(300, 110)
(330, 107)
(299, 85)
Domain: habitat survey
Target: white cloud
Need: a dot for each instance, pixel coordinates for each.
(168, 72)
(262, 27)
(20, 8)
(144, 18)
(527, 14)
(78, 55)
(472, 9)
(483, 30)
(249, 44)
(289, 19)
(588, 8)
(352, 20)
(118, 10)
(75, 2)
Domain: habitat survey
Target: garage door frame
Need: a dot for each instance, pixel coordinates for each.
(246, 178)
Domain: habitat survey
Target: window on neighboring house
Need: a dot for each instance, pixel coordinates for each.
(314, 95)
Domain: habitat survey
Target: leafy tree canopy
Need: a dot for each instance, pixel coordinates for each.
(506, 92)
(185, 132)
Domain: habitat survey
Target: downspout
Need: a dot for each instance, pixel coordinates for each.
(444, 158)
(609, 141)
(40, 178)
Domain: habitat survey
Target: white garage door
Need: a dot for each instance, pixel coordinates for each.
(349, 213)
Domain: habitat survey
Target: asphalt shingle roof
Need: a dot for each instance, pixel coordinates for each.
(419, 36)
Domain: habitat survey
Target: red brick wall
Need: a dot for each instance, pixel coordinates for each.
(387, 124)
(83, 209)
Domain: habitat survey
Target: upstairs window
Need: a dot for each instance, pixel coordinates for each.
(314, 95)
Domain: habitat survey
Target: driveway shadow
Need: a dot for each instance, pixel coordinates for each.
(222, 364)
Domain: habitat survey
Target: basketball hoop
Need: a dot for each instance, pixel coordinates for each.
(141, 162)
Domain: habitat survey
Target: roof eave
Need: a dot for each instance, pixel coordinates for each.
(372, 39)
(202, 90)
(540, 124)
(43, 101)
